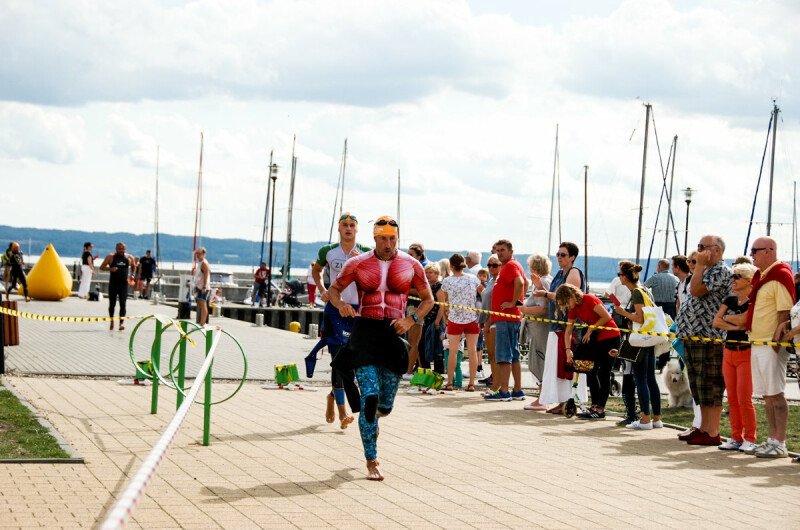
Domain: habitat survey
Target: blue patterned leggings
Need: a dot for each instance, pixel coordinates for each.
(378, 390)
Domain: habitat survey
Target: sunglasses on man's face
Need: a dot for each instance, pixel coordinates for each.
(562, 254)
(384, 222)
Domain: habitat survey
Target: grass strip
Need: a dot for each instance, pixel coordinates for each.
(683, 416)
(21, 434)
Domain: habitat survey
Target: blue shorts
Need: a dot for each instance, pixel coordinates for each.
(506, 342)
(202, 295)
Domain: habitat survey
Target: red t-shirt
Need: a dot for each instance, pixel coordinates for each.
(585, 312)
(503, 290)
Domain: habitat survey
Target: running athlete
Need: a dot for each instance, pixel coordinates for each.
(120, 266)
(335, 329)
(375, 350)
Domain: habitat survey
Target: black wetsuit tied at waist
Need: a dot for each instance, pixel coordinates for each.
(373, 343)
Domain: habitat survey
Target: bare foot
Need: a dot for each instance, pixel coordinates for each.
(330, 415)
(347, 420)
(373, 470)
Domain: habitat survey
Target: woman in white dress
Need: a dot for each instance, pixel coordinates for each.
(557, 390)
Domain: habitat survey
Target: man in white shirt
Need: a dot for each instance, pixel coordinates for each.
(473, 259)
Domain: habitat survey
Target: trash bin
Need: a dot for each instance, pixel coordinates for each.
(10, 325)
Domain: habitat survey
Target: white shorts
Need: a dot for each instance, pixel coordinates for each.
(769, 370)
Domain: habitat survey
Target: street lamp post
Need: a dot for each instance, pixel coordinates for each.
(687, 193)
(273, 174)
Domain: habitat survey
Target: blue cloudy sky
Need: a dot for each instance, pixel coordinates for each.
(462, 97)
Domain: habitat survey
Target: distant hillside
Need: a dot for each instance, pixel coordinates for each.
(227, 251)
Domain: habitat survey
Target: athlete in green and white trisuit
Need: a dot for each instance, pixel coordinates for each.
(335, 328)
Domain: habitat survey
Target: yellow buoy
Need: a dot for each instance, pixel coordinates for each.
(49, 279)
(294, 327)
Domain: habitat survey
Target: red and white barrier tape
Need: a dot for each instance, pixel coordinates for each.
(126, 503)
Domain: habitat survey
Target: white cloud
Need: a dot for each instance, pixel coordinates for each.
(349, 52)
(30, 132)
(723, 58)
(463, 104)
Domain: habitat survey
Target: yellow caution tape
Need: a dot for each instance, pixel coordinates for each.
(53, 318)
(622, 330)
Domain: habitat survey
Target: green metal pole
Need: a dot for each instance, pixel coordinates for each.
(155, 359)
(207, 401)
(182, 365)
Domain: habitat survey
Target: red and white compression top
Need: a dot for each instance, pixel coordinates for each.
(382, 285)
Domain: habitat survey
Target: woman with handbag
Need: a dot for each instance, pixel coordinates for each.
(595, 346)
(644, 368)
(556, 381)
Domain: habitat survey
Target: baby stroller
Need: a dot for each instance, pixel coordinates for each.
(288, 296)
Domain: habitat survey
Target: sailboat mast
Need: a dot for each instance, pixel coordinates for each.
(266, 211)
(398, 196)
(641, 191)
(669, 198)
(156, 246)
(288, 259)
(344, 169)
(198, 205)
(794, 223)
(586, 225)
(775, 111)
(339, 188)
(552, 194)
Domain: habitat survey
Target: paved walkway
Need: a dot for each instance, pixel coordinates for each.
(450, 461)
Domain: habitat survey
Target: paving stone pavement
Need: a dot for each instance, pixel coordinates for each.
(450, 461)
(89, 348)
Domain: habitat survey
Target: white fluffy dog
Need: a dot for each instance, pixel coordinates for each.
(678, 385)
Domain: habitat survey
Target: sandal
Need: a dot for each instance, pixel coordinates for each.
(470, 388)
(448, 387)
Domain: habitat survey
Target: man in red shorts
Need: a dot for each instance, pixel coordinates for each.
(375, 350)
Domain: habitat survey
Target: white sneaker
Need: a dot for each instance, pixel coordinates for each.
(658, 424)
(747, 448)
(407, 377)
(730, 445)
(637, 426)
(772, 450)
